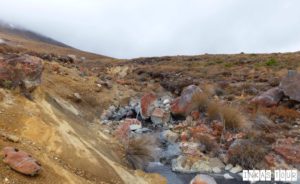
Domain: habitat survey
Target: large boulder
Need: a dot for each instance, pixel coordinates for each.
(269, 98)
(291, 86)
(24, 71)
(185, 104)
(21, 161)
(147, 105)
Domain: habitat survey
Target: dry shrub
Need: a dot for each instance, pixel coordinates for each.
(208, 141)
(201, 101)
(140, 150)
(247, 154)
(214, 111)
(282, 112)
(232, 118)
(261, 122)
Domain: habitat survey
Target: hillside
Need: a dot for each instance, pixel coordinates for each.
(72, 121)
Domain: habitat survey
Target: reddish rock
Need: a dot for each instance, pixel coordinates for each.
(217, 128)
(195, 115)
(269, 98)
(24, 71)
(270, 160)
(123, 130)
(184, 136)
(203, 179)
(185, 104)
(291, 86)
(289, 152)
(160, 116)
(200, 129)
(147, 105)
(21, 161)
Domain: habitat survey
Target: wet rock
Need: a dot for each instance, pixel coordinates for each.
(24, 71)
(186, 164)
(228, 176)
(203, 179)
(185, 104)
(216, 170)
(160, 116)
(207, 165)
(169, 136)
(236, 169)
(291, 86)
(228, 167)
(147, 105)
(269, 98)
(172, 151)
(135, 127)
(21, 161)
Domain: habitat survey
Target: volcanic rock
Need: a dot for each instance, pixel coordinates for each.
(203, 179)
(21, 161)
(269, 98)
(24, 71)
(160, 116)
(147, 105)
(291, 86)
(185, 104)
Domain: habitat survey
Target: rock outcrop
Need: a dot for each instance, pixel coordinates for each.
(291, 86)
(269, 98)
(24, 71)
(185, 104)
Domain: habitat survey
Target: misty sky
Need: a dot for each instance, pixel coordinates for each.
(136, 28)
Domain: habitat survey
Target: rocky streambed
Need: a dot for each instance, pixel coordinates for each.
(187, 142)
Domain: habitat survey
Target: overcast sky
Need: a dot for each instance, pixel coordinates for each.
(135, 28)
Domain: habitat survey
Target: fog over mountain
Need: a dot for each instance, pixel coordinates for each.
(135, 28)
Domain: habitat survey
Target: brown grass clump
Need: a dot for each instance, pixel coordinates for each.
(201, 101)
(247, 154)
(208, 141)
(232, 118)
(214, 111)
(283, 112)
(140, 150)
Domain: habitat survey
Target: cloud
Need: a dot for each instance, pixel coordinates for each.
(135, 28)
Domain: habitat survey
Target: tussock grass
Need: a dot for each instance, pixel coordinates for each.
(231, 116)
(247, 154)
(200, 101)
(140, 150)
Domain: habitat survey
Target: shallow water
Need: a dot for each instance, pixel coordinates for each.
(180, 178)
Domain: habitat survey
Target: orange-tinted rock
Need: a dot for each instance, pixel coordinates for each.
(217, 128)
(195, 115)
(185, 104)
(269, 98)
(147, 105)
(123, 130)
(160, 116)
(203, 179)
(290, 153)
(21, 161)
